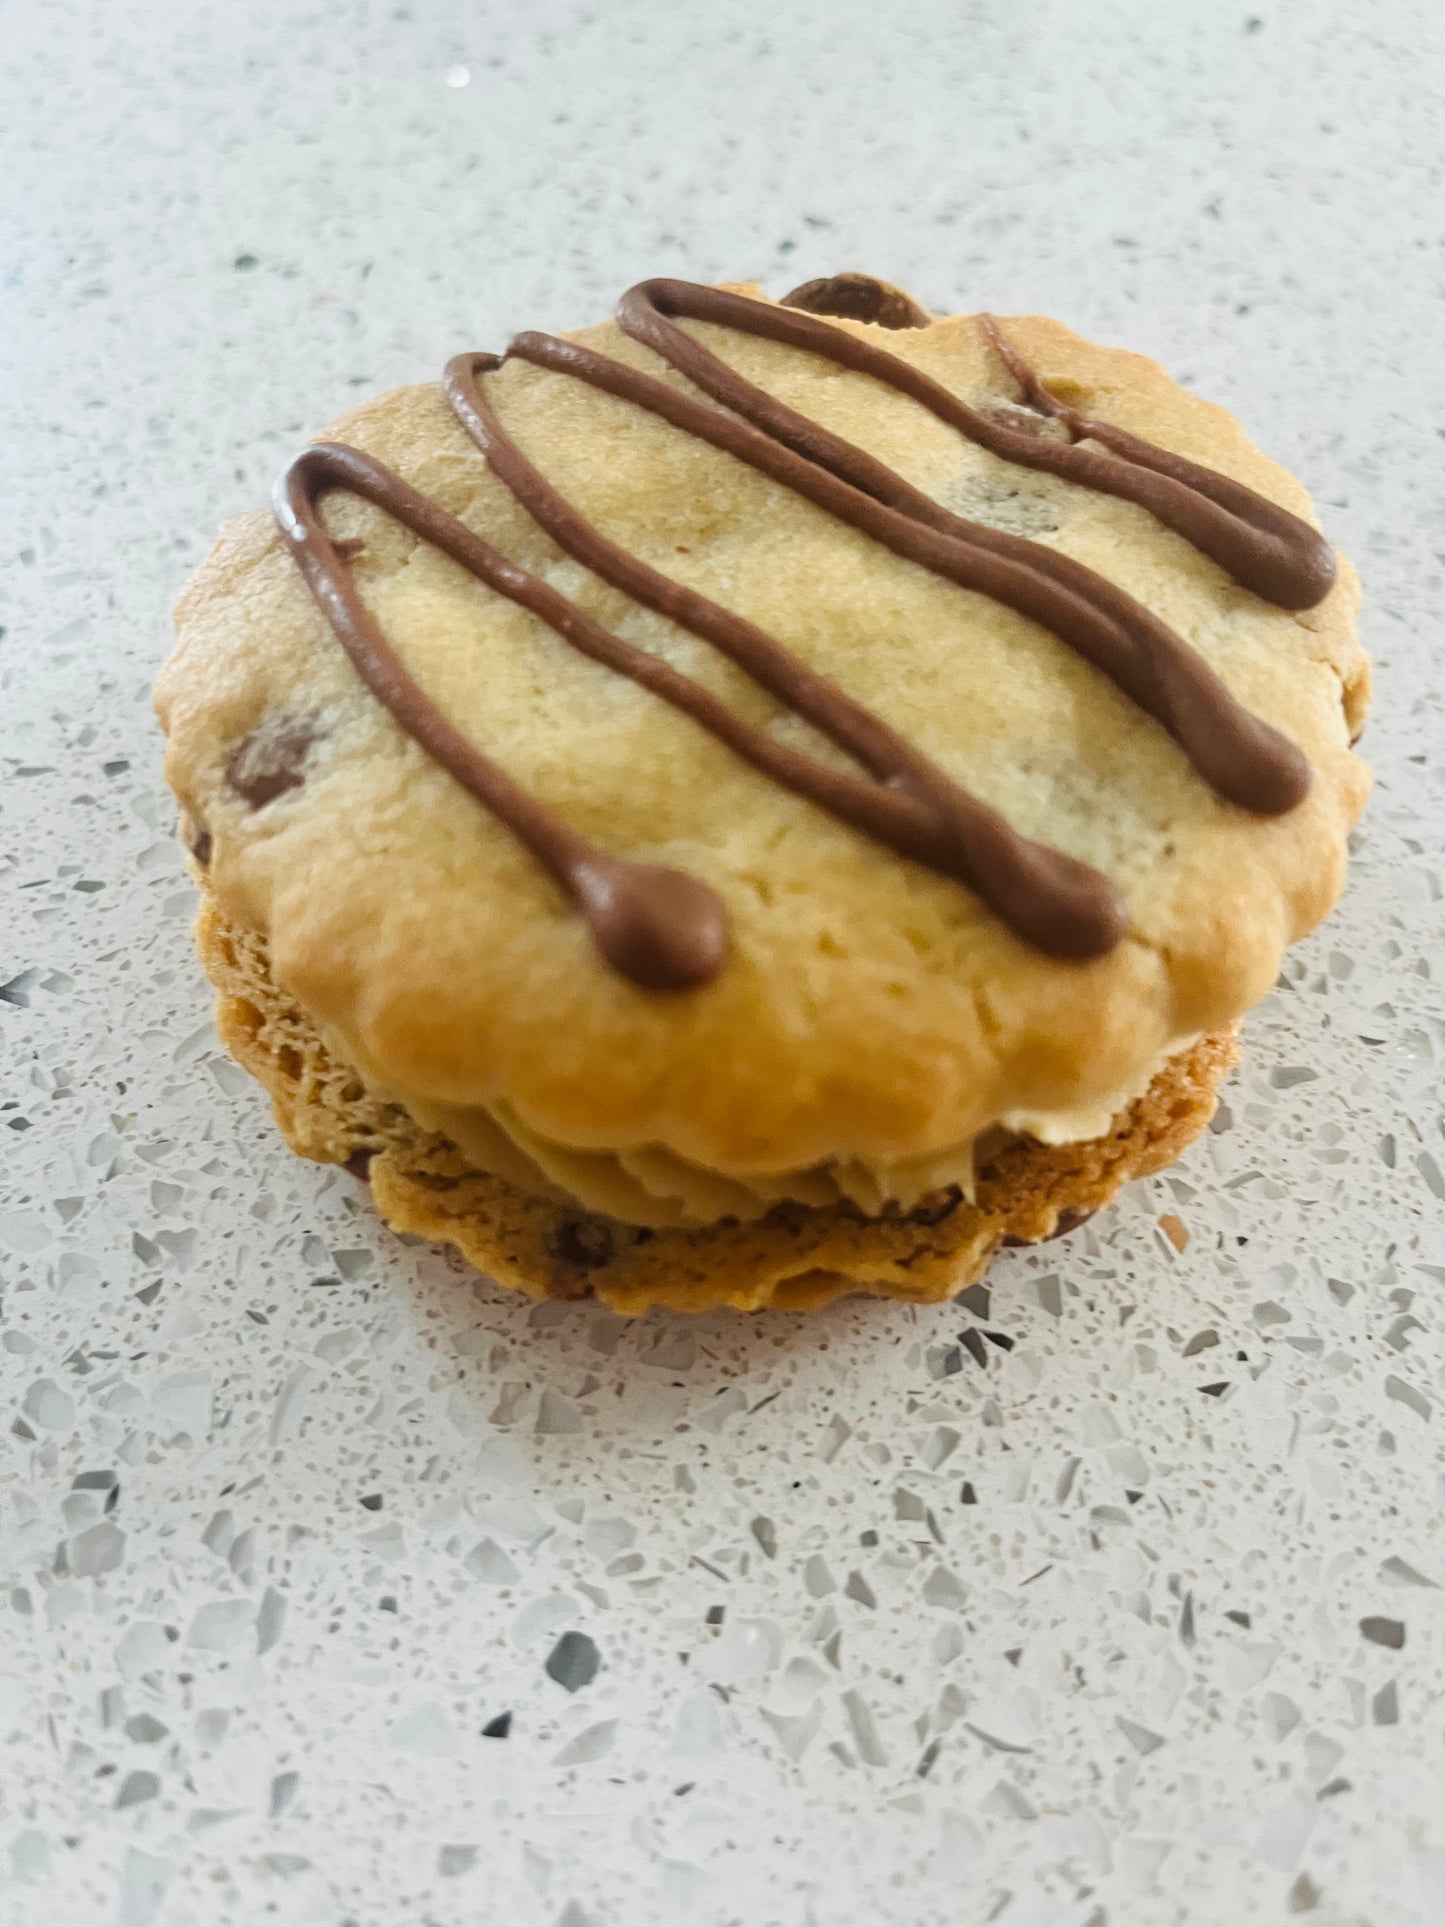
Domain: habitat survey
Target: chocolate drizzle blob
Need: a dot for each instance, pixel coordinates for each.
(666, 931)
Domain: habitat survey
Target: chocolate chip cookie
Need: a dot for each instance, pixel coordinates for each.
(762, 799)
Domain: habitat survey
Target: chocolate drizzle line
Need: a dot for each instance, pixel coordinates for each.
(664, 930)
(1060, 905)
(1243, 759)
(1265, 548)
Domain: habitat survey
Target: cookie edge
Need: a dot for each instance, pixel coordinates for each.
(795, 1258)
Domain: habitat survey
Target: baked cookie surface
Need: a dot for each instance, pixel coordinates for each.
(870, 1020)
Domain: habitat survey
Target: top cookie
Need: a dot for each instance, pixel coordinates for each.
(1051, 875)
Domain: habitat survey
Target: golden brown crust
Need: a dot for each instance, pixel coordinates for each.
(793, 1259)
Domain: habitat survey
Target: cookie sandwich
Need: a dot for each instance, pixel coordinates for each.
(760, 800)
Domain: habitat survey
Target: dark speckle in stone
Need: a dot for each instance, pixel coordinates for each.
(372, 1501)
(972, 1341)
(499, 1728)
(1187, 1633)
(271, 760)
(1383, 1632)
(968, 1496)
(573, 1662)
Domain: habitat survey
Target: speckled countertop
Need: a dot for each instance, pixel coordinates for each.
(337, 1587)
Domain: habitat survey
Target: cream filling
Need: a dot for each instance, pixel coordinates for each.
(650, 1185)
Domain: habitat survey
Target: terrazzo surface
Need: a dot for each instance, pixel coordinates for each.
(340, 1589)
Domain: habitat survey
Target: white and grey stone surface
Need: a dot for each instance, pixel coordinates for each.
(340, 1589)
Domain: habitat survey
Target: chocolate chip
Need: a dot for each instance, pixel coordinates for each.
(271, 760)
(934, 1206)
(584, 1242)
(1067, 1221)
(359, 1164)
(569, 1287)
(197, 839)
(859, 297)
(348, 547)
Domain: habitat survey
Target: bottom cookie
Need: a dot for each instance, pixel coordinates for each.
(793, 1259)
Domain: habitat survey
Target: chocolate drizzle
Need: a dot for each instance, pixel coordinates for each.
(1061, 906)
(1243, 759)
(664, 930)
(1265, 548)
